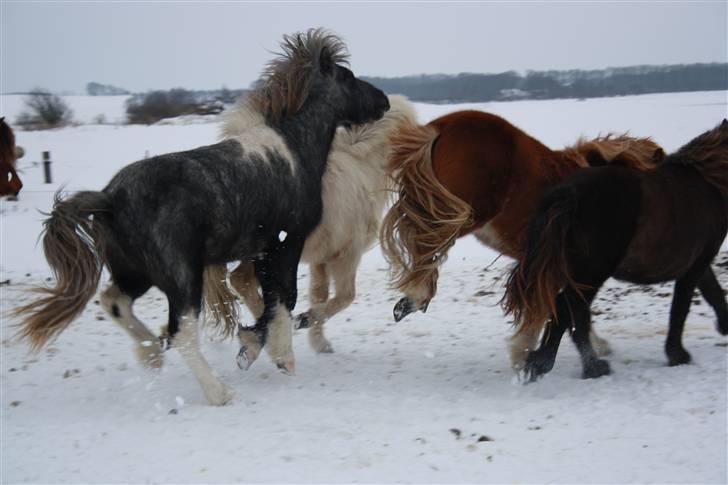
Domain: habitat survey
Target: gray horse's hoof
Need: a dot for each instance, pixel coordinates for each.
(243, 359)
(302, 321)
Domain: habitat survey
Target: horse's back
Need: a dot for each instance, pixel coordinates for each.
(212, 201)
(682, 222)
(482, 158)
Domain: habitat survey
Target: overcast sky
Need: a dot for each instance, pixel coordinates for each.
(159, 45)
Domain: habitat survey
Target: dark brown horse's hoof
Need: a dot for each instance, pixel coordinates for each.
(595, 369)
(678, 357)
(722, 326)
(536, 367)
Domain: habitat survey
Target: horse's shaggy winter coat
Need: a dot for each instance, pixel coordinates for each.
(474, 172)
(355, 189)
(642, 227)
(161, 221)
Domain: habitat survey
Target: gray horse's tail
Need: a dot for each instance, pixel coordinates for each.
(72, 243)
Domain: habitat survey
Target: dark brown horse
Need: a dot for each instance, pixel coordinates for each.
(471, 172)
(641, 227)
(10, 183)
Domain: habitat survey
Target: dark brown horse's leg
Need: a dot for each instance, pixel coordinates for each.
(713, 294)
(681, 300)
(592, 365)
(570, 307)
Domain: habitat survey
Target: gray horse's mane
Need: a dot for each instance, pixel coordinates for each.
(287, 80)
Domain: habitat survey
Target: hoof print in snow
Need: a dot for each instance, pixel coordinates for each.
(456, 432)
(173, 411)
(484, 438)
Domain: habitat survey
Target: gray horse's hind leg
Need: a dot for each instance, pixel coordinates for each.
(119, 307)
(187, 341)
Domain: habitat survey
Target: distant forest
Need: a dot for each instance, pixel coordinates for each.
(468, 87)
(511, 85)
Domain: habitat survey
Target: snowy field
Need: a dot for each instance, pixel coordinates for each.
(431, 399)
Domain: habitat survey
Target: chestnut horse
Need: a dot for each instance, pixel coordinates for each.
(10, 183)
(664, 225)
(471, 172)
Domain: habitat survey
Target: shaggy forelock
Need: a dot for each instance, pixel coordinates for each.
(286, 80)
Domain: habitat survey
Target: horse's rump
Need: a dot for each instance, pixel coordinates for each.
(426, 219)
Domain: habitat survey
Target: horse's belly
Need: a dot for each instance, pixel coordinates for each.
(654, 260)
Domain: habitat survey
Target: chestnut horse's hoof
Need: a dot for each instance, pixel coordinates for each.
(404, 307)
(597, 368)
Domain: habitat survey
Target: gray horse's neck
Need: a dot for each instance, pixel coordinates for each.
(309, 133)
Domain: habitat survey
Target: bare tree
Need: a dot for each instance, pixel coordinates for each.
(44, 109)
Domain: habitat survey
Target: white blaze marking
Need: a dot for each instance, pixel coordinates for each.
(282, 236)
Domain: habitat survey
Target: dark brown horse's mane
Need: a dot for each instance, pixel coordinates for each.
(286, 81)
(7, 144)
(708, 153)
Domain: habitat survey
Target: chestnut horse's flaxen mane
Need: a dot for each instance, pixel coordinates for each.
(426, 219)
(637, 153)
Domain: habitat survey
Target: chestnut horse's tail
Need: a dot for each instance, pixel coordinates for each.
(426, 219)
(221, 308)
(544, 271)
(72, 245)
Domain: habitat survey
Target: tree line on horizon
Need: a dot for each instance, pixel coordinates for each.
(510, 85)
(471, 87)
(45, 109)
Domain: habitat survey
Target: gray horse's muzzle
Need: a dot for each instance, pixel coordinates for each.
(406, 305)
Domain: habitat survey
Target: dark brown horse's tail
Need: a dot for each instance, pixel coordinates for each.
(221, 308)
(72, 245)
(535, 281)
(426, 219)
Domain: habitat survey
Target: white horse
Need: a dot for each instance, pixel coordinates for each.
(355, 191)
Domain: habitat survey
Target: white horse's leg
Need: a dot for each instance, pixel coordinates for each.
(245, 284)
(119, 307)
(318, 291)
(343, 270)
(279, 344)
(187, 342)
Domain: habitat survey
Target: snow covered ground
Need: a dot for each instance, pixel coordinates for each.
(431, 399)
